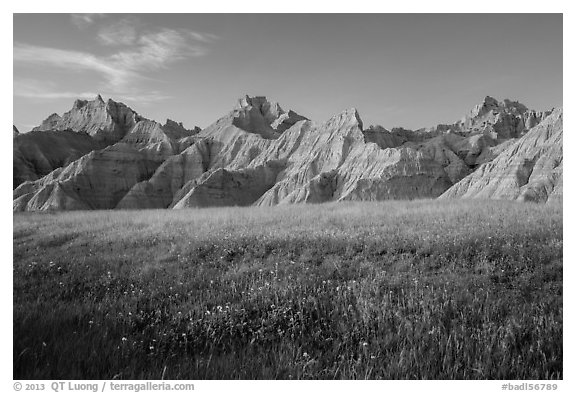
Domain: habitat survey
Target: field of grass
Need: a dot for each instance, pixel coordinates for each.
(391, 290)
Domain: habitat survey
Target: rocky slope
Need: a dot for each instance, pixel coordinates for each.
(98, 180)
(309, 162)
(260, 154)
(37, 153)
(106, 122)
(529, 169)
(499, 120)
(233, 141)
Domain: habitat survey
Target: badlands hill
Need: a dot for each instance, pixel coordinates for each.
(103, 155)
(529, 169)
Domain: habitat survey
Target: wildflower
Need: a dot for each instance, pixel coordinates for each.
(124, 339)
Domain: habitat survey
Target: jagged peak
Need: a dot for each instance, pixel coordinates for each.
(349, 117)
(174, 125)
(515, 105)
(53, 116)
(79, 104)
(506, 103)
(491, 104)
(170, 122)
(376, 128)
(254, 101)
(489, 100)
(266, 107)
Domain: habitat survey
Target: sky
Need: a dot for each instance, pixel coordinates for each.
(410, 70)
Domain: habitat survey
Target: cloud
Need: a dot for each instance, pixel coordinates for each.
(31, 88)
(134, 55)
(202, 37)
(157, 50)
(70, 60)
(42, 90)
(152, 52)
(83, 20)
(122, 32)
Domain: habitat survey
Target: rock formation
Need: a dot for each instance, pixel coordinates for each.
(529, 169)
(260, 154)
(76, 170)
(106, 122)
(309, 162)
(499, 120)
(98, 180)
(177, 131)
(233, 141)
(37, 153)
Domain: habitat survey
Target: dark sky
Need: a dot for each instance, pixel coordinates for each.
(410, 70)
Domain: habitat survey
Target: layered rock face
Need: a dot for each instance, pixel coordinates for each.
(77, 173)
(59, 140)
(529, 169)
(98, 180)
(309, 162)
(159, 141)
(499, 120)
(177, 131)
(37, 153)
(232, 142)
(106, 122)
(159, 191)
(259, 154)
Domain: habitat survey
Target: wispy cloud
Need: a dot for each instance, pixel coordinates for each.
(203, 37)
(137, 55)
(42, 90)
(83, 20)
(157, 50)
(32, 88)
(70, 60)
(122, 32)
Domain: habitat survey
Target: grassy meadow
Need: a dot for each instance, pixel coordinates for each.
(388, 290)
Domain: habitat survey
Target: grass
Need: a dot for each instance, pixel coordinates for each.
(391, 290)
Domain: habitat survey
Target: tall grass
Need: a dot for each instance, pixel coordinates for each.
(393, 290)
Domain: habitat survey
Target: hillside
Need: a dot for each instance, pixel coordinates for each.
(260, 154)
(530, 169)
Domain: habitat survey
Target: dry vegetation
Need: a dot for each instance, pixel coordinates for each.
(410, 290)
